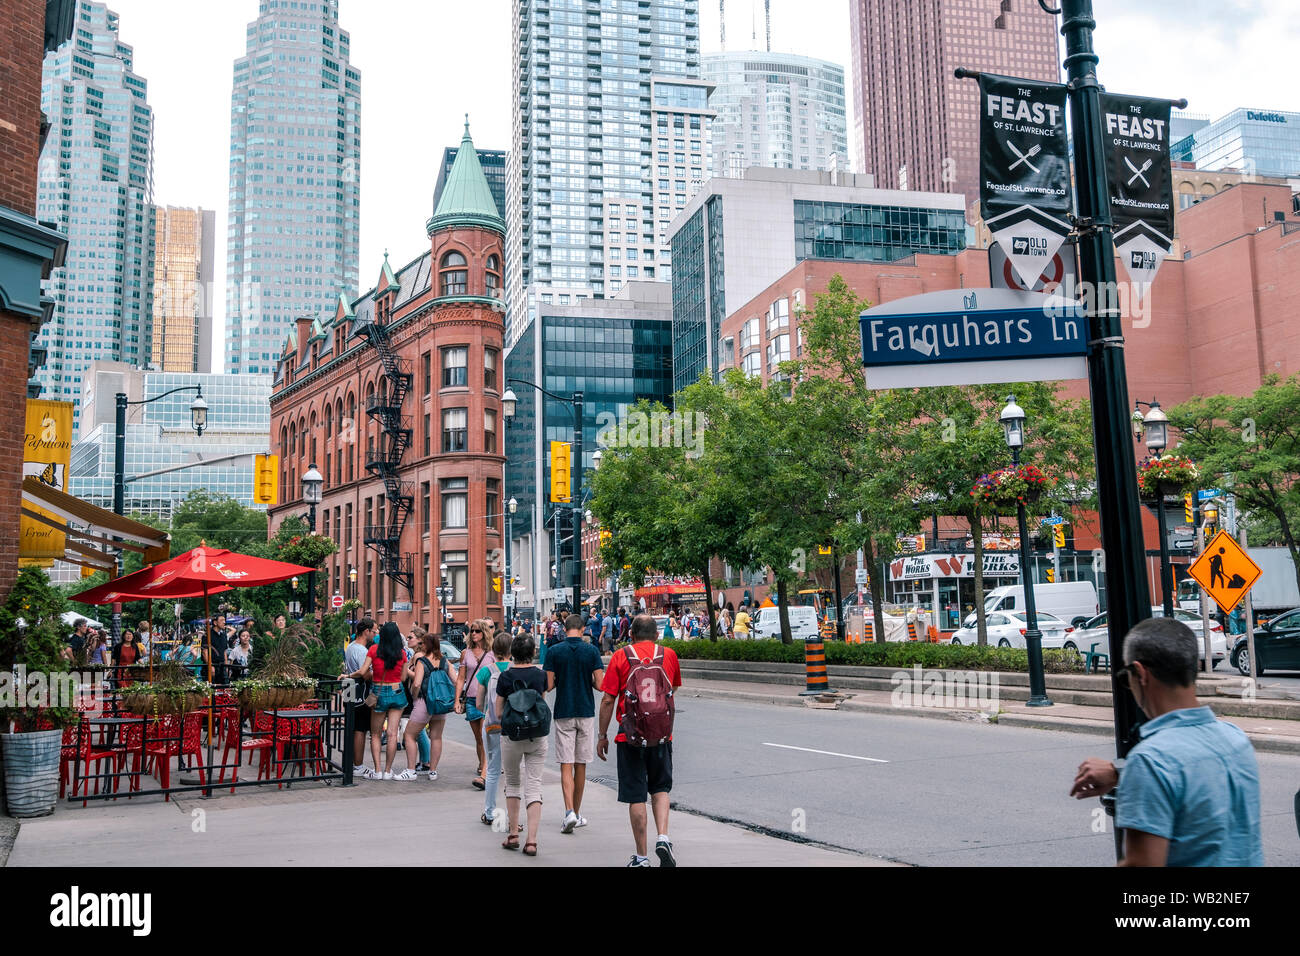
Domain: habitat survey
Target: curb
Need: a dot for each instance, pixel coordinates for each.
(1263, 743)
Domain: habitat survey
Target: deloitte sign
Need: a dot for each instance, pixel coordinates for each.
(1265, 117)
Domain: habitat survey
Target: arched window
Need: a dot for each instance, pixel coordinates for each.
(493, 275)
(454, 274)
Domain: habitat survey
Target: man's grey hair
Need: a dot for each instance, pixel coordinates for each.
(1167, 647)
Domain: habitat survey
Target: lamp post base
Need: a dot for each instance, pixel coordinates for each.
(1039, 700)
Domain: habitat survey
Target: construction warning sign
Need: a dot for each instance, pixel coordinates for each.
(1225, 571)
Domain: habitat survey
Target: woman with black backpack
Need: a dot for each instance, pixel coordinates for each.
(525, 724)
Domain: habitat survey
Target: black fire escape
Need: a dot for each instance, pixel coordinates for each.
(385, 406)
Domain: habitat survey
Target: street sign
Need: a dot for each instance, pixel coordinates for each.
(1060, 273)
(1053, 519)
(336, 601)
(973, 336)
(1207, 493)
(401, 605)
(509, 598)
(1225, 571)
(860, 576)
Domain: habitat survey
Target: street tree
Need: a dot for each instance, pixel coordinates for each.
(1249, 445)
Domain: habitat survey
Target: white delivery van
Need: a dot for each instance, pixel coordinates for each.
(803, 623)
(1071, 601)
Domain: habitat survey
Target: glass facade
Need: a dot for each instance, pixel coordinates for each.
(585, 133)
(1256, 142)
(160, 435)
(855, 232)
(182, 308)
(690, 303)
(95, 185)
(293, 227)
(776, 109)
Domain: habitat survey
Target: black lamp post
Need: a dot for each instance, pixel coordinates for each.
(352, 596)
(1013, 427)
(508, 401)
(509, 586)
(1156, 427)
(444, 595)
(312, 483)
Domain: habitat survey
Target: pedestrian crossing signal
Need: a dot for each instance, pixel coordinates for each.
(1058, 536)
(1187, 509)
(266, 479)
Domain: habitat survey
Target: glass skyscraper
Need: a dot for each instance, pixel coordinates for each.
(293, 230)
(586, 133)
(776, 109)
(184, 247)
(96, 186)
(1257, 142)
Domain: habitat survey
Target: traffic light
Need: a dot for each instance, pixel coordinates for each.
(561, 490)
(496, 583)
(1051, 575)
(266, 479)
(1058, 535)
(1187, 509)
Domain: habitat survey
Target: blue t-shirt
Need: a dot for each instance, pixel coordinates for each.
(1193, 780)
(573, 661)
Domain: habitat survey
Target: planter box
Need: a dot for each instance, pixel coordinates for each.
(31, 772)
(274, 698)
(146, 705)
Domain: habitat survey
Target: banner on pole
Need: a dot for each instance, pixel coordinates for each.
(1141, 183)
(1024, 171)
(47, 452)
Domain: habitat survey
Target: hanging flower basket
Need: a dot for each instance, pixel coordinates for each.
(1167, 475)
(153, 699)
(1009, 487)
(274, 693)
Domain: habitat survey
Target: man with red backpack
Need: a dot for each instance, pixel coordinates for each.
(641, 681)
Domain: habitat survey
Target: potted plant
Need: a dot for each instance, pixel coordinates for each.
(1009, 487)
(33, 711)
(173, 690)
(279, 678)
(1166, 475)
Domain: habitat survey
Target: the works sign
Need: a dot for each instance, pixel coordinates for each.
(922, 566)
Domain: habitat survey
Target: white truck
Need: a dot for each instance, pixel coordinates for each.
(1273, 593)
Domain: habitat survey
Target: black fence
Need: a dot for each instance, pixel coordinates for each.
(216, 746)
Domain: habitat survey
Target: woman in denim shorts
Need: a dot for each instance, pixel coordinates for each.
(478, 653)
(384, 664)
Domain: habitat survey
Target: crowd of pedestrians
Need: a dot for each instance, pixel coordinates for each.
(501, 687)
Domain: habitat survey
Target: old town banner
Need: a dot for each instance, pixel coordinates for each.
(47, 453)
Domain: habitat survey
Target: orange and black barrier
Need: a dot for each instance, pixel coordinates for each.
(815, 665)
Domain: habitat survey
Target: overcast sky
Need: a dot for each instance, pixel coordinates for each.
(424, 63)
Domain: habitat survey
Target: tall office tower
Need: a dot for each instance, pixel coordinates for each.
(593, 80)
(918, 125)
(184, 247)
(293, 231)
(493, 164)
(776, 109)
(96, 186)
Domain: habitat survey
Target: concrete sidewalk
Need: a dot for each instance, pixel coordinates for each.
(417, 823)
(1267, 734)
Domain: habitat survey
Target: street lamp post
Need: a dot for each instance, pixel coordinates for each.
(352, 596)
(444, 595)
(312, 482)
(509, 586)
(1013, 425)
(508, 401)
(1156, 426)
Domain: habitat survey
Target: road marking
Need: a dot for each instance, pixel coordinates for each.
(828, 753)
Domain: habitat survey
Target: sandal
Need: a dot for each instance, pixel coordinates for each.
(532, 852)
(479, 783)
(485, 820)
(511, 843)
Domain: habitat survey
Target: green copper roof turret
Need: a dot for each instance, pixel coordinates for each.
(466, 198)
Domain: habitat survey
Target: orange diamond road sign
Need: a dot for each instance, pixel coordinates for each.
(1225, 571)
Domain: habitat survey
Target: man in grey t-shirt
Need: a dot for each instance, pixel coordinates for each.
(354, 658)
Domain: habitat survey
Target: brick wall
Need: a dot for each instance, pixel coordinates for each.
(22, 49)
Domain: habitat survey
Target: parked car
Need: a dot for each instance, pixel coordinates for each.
(1007, 629)
(1072, 601)
(1096, 631)
(1277, 645)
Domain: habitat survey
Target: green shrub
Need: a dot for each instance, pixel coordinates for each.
(899, 655)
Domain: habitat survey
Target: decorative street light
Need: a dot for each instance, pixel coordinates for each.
(509, 586)
(352, 595)
(444, 595)
(1013, 427)
(312, 483)
(1155, 425)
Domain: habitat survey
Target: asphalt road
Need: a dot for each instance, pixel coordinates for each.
(943, 792)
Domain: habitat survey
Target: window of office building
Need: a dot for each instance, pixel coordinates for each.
(455, 424)
(455, 502)
(455, 366)
(454, 274)
(457, 575)
(490, 368)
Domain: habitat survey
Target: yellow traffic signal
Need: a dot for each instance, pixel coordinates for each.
(1058, 535)
(1187, 509)
(1051, 575)
(266, 479)
(496, 583)
(561, 489)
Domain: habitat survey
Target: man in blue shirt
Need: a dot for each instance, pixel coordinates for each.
(1188, 793)
(574, 670)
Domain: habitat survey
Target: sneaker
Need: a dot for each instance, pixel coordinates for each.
(421, 768)
(638, 860)
(364, 772)
(582, 822)
(433, 775)
(665, 851)
(388, 775)
(570, 821)
(407, 774)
